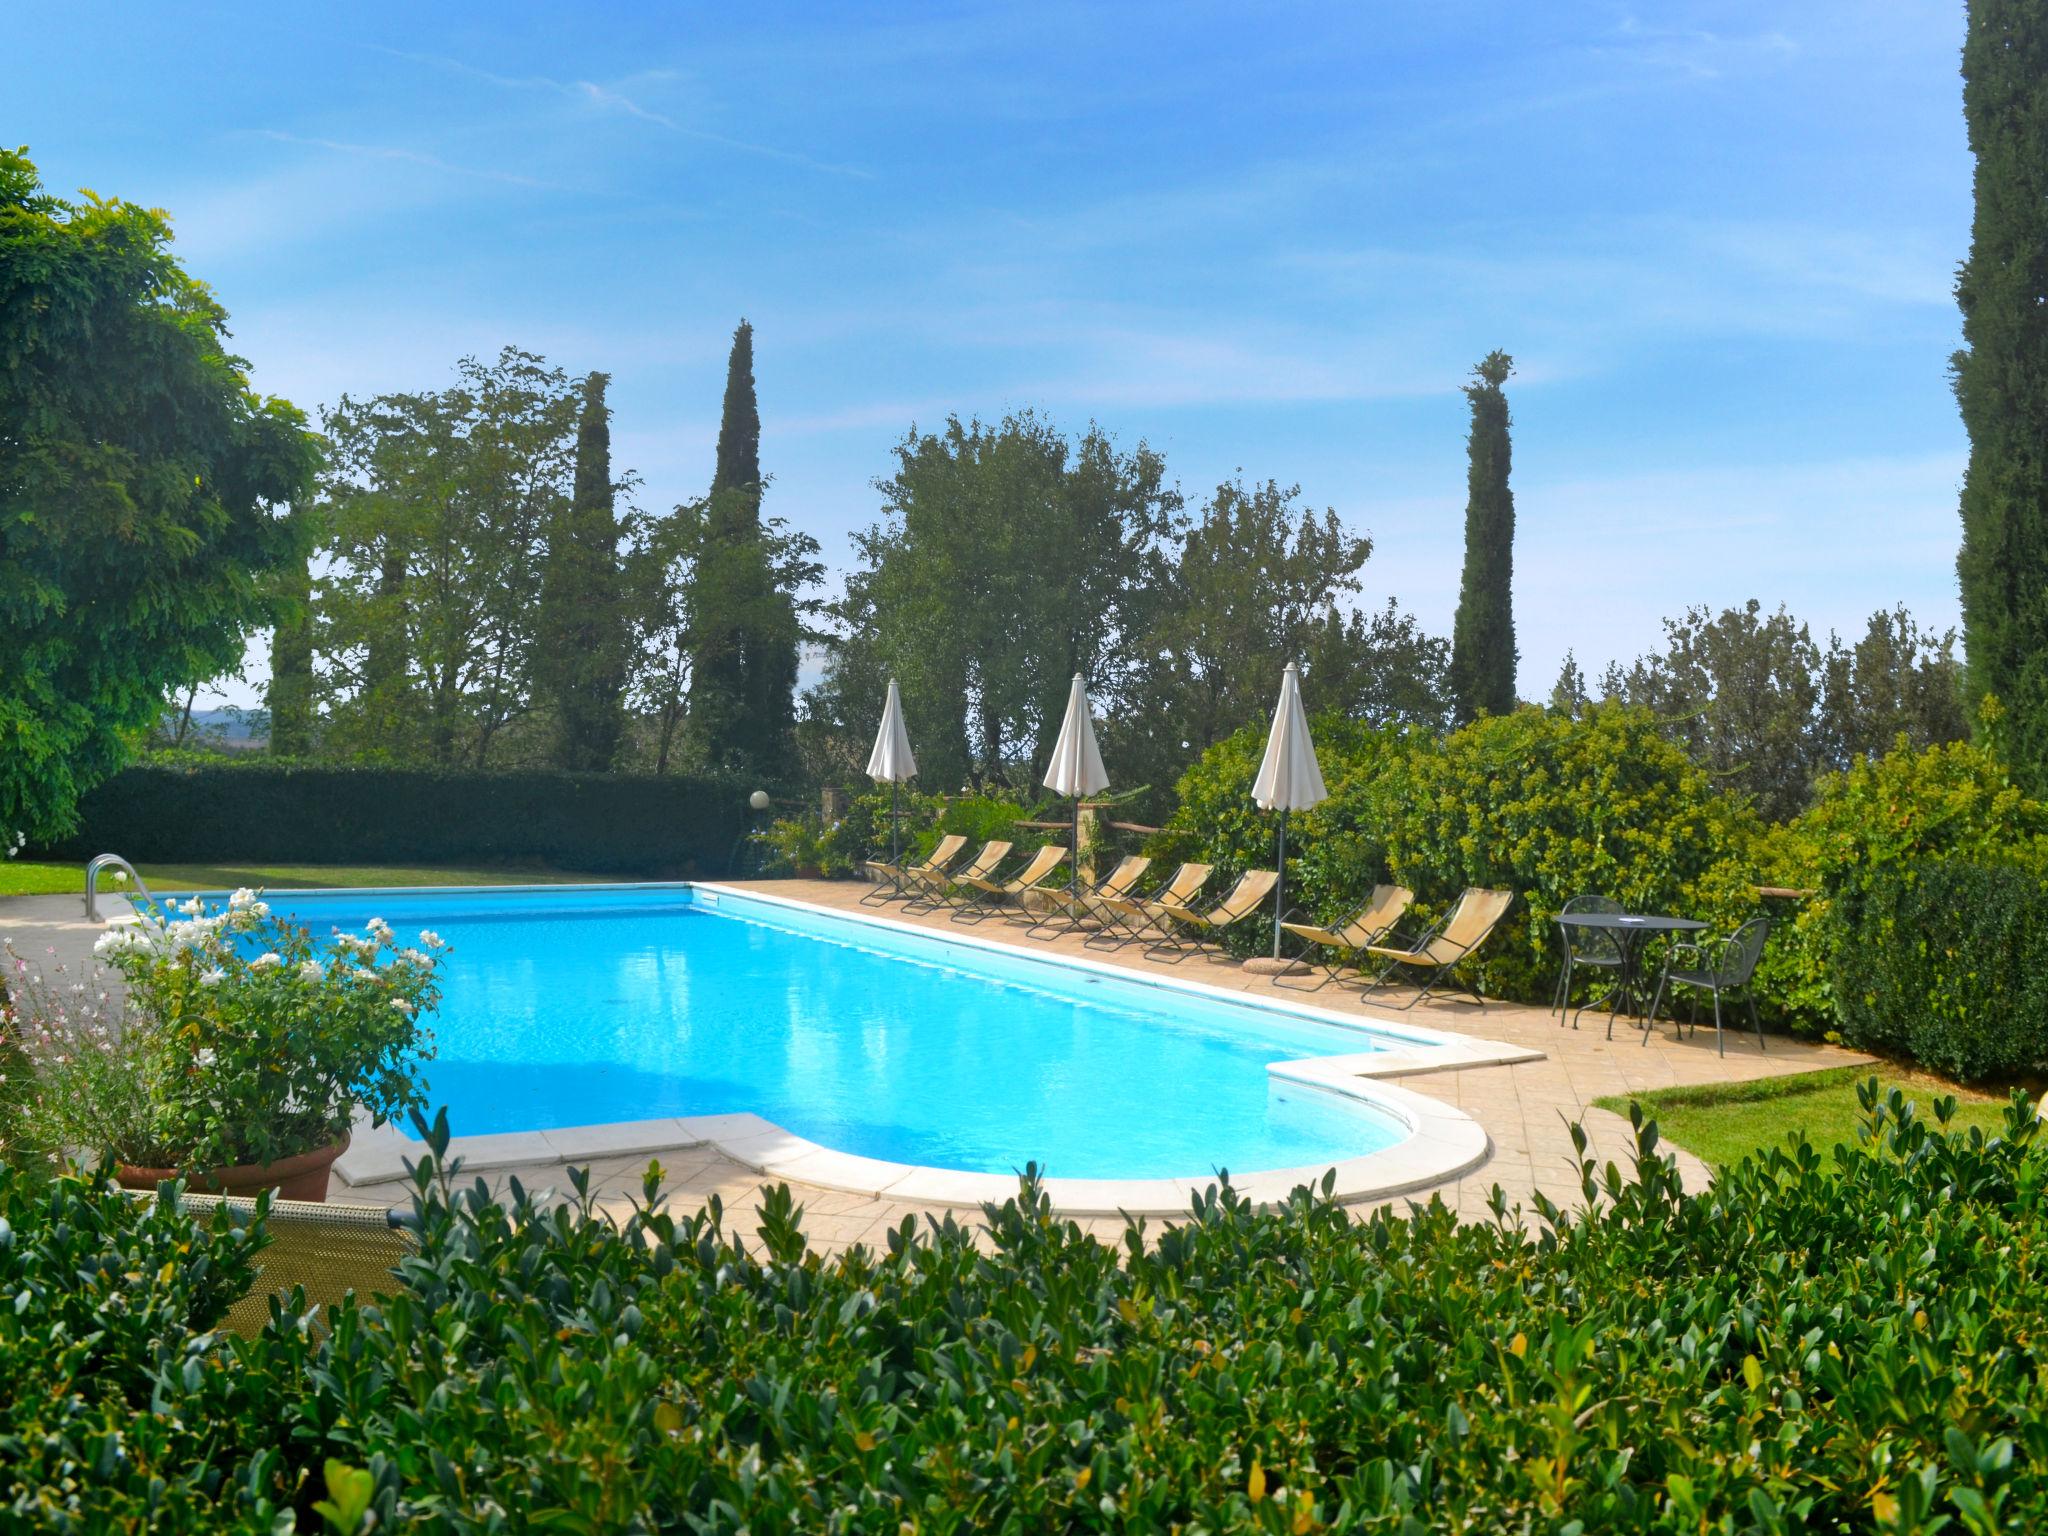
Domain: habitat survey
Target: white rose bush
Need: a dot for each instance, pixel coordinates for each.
(232, 1037)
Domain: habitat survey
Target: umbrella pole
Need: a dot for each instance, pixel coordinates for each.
(895, 825)
(1074, 860)
(1280, 885)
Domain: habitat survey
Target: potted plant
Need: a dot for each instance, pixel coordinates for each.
(234, 1050)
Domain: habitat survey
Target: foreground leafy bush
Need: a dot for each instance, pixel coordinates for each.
(1852, 1343)
(1946, 962)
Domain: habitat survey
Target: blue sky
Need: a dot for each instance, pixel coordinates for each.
(1718, 239)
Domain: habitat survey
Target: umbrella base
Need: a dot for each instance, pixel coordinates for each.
(1266, 965)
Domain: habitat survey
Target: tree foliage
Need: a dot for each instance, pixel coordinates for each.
(747, 611)
(1483, 652)
(145, 491)
(1254, 583)
(2001, 375)
(1751, 697)
(1007, 560)
(438, 506)
(581, 629)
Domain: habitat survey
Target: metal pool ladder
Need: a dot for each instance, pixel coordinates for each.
(92, 883)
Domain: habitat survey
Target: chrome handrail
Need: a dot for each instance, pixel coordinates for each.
(92, 883)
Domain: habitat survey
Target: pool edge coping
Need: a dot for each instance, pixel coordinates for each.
(1443, 1142)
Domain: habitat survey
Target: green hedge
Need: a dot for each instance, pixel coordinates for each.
(207, 811)
(1539, 803)
(1946, 963)
(1843, 1343)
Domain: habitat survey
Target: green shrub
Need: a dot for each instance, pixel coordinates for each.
(1336, 852)
(1538, 803)
(211, 810)
(1848, 1342)
(1551, 807)
(1946, 963)
(1882, 815)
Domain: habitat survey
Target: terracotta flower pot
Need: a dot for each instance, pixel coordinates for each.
(303, 1177)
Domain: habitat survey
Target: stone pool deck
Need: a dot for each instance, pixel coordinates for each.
(1523, 1107)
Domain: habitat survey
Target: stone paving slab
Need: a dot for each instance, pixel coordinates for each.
(1525, 1107)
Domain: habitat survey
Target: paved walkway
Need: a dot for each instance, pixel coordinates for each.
(1525, 1108)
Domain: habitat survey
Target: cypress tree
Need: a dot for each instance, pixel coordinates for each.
(743, 676)
(581, 630)
(1483, 635)
(738, 467)
(290, 694)
(2001, 376)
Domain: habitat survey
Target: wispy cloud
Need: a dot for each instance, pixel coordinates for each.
(1695, 51)
(615, 100)
(407, 156)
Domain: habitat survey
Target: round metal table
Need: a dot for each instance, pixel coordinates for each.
(1629, 930)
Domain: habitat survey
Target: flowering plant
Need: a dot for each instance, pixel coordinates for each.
(235, 1038)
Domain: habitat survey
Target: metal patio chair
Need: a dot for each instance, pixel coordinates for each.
(1721, 965)
(1586, 946)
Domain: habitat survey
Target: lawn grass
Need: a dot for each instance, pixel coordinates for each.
(26, 877)
(1720, 1122)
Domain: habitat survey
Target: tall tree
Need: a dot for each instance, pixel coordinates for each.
(290, 694)
(747, 624)
(1483, 634)
(1252, 586)
(1379, 666)
(1740, 691)
(2001, 375)
(1897, 681)
(146, 492)
(438, 506)
(1008, 559)
(580, 650)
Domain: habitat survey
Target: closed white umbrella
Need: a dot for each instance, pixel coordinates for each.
(891, 762)
(1290, 778)
(1076, 768)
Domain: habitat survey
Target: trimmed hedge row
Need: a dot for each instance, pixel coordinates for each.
(267, 812)
(1945, 962)
(1854, 1342)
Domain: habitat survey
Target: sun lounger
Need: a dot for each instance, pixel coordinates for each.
(938, 885)
(1077, 903)
(1129, 917)
(1344, 941)
(982, 896)
(1252, 888)
(1435, 956)
(901, 877)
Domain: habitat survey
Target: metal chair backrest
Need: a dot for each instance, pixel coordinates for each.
(1186, 881)
(1252, 887)
(986, 861)
(1377, 915)
(1471, 921)
(1741, 953)
(1594, 943)
(1043, 863)
(948, 849)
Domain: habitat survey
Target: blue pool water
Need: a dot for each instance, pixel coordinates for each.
(575, 1006)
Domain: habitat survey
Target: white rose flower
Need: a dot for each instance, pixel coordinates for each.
(431, 939)
(204, 1058)
(243, 898)
(311, 971)
(269, 960)
(120, 877)
(402, 1006)
(213, 977)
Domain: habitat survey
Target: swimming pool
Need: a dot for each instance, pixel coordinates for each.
(574, 1006)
